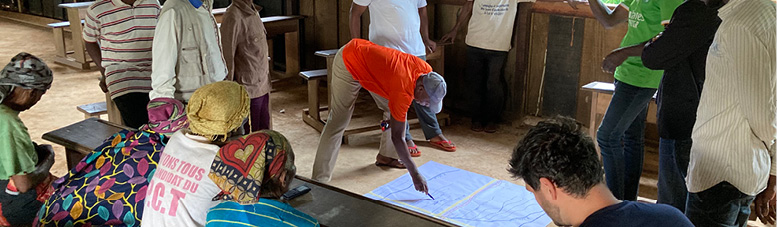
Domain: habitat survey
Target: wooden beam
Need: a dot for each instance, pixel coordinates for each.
(563, 9)
(521, 41)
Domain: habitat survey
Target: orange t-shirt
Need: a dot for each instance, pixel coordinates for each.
(386, 72)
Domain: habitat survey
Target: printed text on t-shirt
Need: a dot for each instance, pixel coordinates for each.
(184, 178)
(494, 10)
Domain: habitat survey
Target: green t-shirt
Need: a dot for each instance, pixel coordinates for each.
(645, 22)
(17, 154)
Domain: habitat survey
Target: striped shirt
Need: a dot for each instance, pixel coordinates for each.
(736, 125)
(265, 213)
(125, 34)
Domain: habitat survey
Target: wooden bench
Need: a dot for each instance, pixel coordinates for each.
(76, 12)
(61, 52)
(599, 104)
(313, 77)
(93, 110)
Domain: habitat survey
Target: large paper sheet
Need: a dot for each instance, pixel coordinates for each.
(465, 198)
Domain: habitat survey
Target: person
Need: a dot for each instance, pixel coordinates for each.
(395, 79)
(622, 131)
(253, 194)
(681, 51)
(559, 164)
(122, 176)
(180, 192)
(403, 25)
(186, 51)
(24, 165)
(489, 39)
(245, 52)
(118, 35)
(732, 163)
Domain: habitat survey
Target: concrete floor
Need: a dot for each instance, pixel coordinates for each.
(482, 153)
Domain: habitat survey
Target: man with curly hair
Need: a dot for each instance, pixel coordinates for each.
(560, 166)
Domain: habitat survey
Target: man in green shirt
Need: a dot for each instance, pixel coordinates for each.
(620, 136)
(24, 166)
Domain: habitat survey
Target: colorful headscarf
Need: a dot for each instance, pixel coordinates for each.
(244, 165)
(217, 108)
(166, 116)
(25, 71)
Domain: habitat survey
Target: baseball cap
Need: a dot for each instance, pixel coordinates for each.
(436, 88)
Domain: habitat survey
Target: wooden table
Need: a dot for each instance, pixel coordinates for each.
(81, 138)
(75, 12)
(601, 93)
(331, 206)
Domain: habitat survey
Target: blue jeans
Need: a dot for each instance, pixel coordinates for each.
(621, 139)
(426, 118)
(720, 205)
(673, 158)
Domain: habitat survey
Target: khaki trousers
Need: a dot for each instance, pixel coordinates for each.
(344, 91)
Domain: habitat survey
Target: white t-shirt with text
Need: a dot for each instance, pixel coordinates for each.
(491, 25)
(180, 192)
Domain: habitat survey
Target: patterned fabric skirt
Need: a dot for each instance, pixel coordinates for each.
(108, 186)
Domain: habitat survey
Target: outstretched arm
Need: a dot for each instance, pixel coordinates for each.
(398, 138)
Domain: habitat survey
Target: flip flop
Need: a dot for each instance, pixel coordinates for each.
(394, 163)
(442, 145)
(417, 153)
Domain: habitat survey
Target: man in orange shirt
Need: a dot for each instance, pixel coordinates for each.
(394, 80)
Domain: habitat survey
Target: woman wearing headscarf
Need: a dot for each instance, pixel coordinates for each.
(253, 172)
(109, 186)
(24, 166)
(180, 193)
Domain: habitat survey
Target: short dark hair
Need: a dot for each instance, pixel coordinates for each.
(557, 149)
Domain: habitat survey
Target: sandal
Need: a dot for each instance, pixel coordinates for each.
(414, 152)
(445, 145)
(394, 163)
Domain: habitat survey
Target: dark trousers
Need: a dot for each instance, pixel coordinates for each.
(132, 107)
(484, 69)
(621, 139)
(673, 158)
(260, 114)
(720, 205)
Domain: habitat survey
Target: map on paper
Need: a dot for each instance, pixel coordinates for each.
(465, 198)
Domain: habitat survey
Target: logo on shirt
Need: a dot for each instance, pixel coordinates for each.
(635, 18)
(494, 10)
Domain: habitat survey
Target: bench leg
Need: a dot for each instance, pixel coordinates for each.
(59, 42)
(73, 157)
(312, 116)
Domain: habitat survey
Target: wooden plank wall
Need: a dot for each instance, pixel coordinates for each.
(326, 27)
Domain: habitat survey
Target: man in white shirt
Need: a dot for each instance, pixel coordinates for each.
(186, 51)
(403, 25)
(733, 153)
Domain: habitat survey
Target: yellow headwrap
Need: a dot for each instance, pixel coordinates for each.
(217, 108)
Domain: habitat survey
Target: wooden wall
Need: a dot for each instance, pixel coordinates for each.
(326, 27)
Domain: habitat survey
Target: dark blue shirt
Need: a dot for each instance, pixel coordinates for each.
(629, 213)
